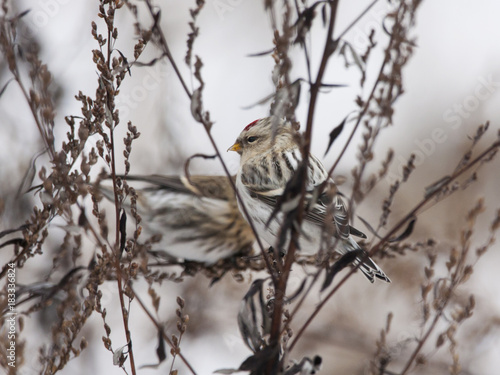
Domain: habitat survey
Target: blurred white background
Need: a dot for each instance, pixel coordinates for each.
(452, 85)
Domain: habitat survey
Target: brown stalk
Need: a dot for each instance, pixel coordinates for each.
(356, 20)
(280, 286)
(160, 329)
(117, 205)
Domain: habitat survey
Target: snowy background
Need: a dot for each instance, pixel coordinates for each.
(452, 85)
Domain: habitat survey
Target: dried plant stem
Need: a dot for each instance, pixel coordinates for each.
(424, 338)
(8, 30)
(364, 110)
(164, 44)
(280, 286)
(49, 145)
(117, 206)
(141, 303)
(160, 329)
(116, 256)
(356, 20)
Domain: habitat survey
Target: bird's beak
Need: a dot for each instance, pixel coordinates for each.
(236, 147)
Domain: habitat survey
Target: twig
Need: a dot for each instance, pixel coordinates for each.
(356, 20)
(156, 25)
(280, 287)
(117, 205)
(365, 108)
(160, 329)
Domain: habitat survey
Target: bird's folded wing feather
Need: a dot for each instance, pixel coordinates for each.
(316, 214)
(217, 187)
(281, 169)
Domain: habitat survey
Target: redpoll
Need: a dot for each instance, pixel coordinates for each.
(270, 156)
(198, 218)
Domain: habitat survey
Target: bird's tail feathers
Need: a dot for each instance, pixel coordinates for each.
(371, 270)
(368, 267)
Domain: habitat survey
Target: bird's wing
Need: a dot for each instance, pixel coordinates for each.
(318, 211)
(173, 183)
(217, 187)
(266, 177)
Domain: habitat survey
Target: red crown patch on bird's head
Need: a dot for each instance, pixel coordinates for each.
(251, 124)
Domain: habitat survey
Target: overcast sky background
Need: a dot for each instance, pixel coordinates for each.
(452, 85)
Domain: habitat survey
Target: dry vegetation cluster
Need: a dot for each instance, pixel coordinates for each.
(108, 247)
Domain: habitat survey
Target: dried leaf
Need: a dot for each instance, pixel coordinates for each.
(304, 22)
(429, 272)
(297, 292)
(407, 233)
(119, 357)
(323, 14)
(440, 340)
(264, 53)
(160, 349)
(339, 265)
(438, 185)
(226, 371)
(197, 105)
(29, 176)
(258, 363)
(5, 86)
(288, 201)
(357, 60)
(123, 230)
(335, 133)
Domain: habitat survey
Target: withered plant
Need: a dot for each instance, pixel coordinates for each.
(98, 248)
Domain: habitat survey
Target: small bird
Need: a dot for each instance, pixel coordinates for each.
(270, 156)
(198, 218)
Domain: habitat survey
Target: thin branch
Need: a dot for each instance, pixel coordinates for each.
(116, 248)
(356, 20)
(363, 111)
(160, 329)
(280, 288)
(157, 27)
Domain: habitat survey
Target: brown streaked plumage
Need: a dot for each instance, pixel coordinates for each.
(198, 219)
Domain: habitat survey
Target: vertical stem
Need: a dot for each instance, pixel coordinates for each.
(281, 284)
(116, 249)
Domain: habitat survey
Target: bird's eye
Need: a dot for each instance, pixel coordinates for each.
(251, 139)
